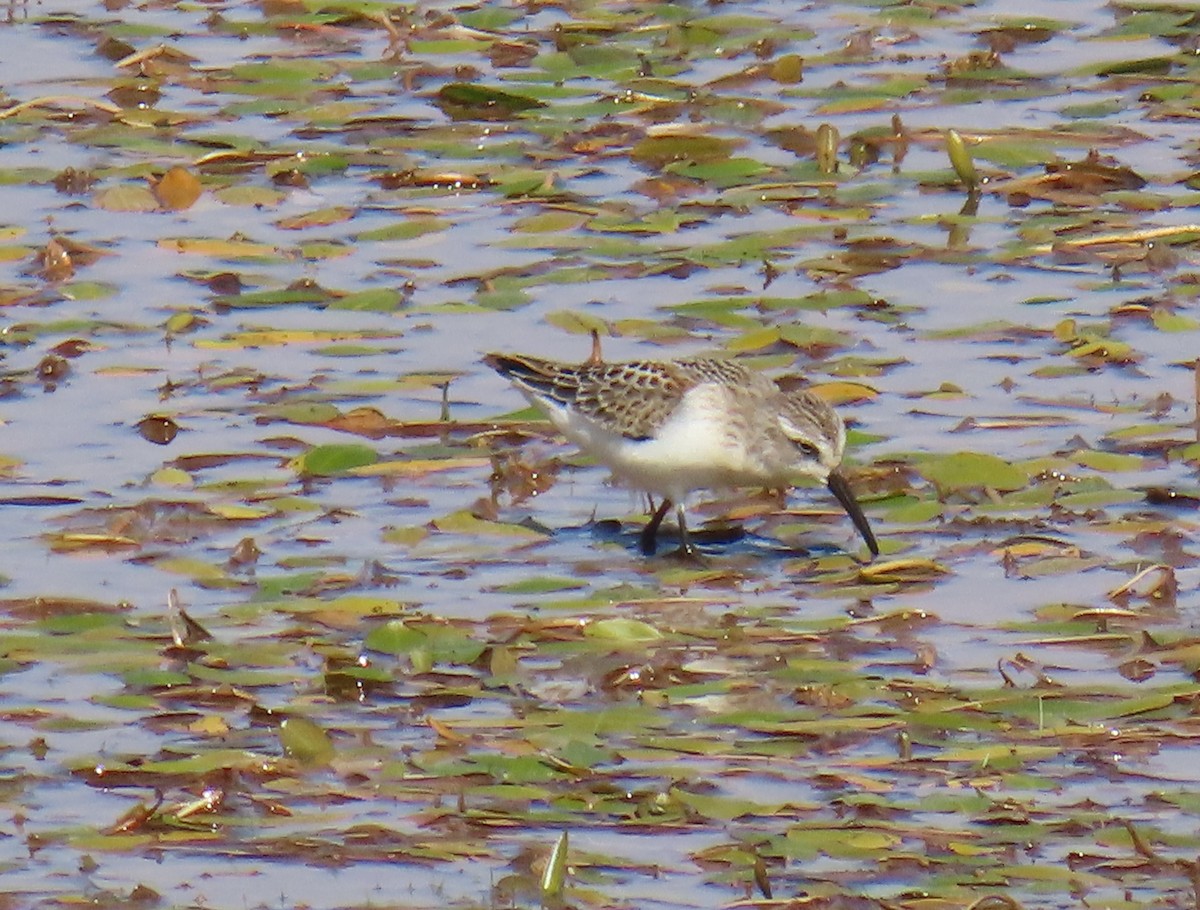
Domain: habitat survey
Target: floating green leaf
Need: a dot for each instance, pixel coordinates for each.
(620, 629)
(659, 151)
(969, 470)
(960, 160)
(336, 458)
(554, 877)
(463, 100)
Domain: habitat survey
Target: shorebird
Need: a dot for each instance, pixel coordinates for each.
(671, 427)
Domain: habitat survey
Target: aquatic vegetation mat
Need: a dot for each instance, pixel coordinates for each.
(302, 604)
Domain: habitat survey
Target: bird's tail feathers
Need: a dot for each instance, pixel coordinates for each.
(540, 377)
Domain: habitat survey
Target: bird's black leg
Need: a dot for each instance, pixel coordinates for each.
(649, 537)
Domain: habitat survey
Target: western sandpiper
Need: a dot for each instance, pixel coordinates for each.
(674, 426)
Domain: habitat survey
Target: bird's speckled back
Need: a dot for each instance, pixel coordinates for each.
(634, 398)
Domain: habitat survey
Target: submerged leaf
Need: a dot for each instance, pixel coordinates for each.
(305, 742)
(126, 198)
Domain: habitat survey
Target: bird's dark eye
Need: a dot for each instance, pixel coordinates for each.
(807, 449)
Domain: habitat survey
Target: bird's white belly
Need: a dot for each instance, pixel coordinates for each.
(694, 449)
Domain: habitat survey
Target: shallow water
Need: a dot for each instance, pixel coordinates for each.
(666, 787)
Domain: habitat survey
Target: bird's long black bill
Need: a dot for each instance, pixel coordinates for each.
(842, 492)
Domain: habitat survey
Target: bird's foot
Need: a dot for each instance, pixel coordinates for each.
(689, 554)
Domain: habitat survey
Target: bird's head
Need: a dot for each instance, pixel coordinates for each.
(818, 439)
(816, 434)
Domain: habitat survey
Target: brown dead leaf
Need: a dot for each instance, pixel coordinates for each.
(368, 422)
(54, 262)
(157, 429)
(177, 189)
